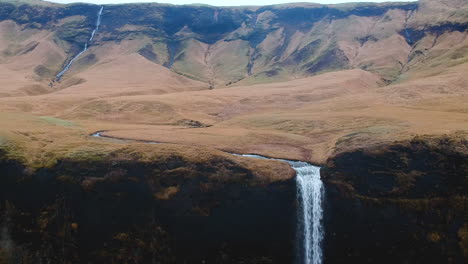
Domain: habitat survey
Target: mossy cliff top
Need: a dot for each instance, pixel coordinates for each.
(422, 167)
(45, 142)
(402, 202)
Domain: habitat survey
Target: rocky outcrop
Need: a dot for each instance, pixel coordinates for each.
(130, 211)
(398, 203)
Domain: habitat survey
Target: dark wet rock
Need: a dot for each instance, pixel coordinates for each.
(126, 211)
(398, 203)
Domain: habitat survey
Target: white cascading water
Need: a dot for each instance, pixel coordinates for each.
(310, 197)
(67, 67)
(310, 212)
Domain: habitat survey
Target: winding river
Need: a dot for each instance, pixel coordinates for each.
(310, 193)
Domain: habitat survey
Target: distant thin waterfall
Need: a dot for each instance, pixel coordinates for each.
(310, 197)
(98, 23)
(85, 48)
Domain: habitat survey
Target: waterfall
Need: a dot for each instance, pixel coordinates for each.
(98, 23)
(310, 197)
(310, 192)
(85, 48)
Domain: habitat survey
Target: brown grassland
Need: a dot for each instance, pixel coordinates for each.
(295, 117)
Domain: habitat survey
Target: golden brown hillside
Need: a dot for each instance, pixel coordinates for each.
(293, 81)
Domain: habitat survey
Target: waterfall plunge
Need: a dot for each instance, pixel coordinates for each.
(310, 192)
(310, 212)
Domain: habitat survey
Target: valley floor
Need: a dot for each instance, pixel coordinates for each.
(306, 119)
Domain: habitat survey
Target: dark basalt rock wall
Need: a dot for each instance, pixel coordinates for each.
(413, 35)
(136, 212)
(400, 203)
(44, 16)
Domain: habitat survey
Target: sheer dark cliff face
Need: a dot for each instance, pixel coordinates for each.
(133, 212)
(401, 203)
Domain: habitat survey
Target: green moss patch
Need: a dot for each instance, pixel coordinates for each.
(57, 121)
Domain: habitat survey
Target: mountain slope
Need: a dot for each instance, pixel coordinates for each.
(300, 81)
(225, 46)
